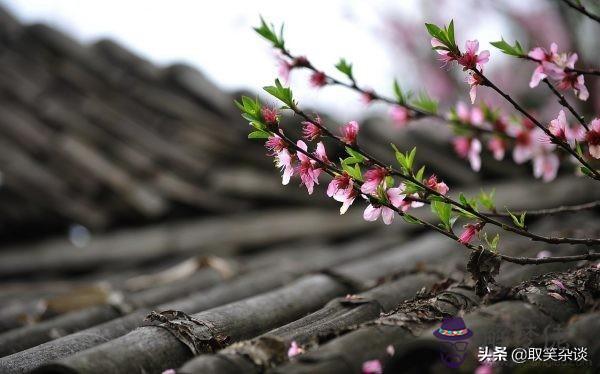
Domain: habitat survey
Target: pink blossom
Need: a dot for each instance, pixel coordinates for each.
(340, 185)
(523, 150)
(372, 179)
(294, 350)
(275, 144)
(390, 350)
(318, 79)
(395, 197)
(372, 367)
(473, 80)
(311, 129)
(469, 233)
(283, 158)
(346, 200)
(307, 169)
(560, 128)
(474, 116)
(541, 55)
(169, 371)
(497, 146)
(270, 115)
(444, 55)
(284, 69)
(408, 203)
(558, 67)
(433, 183)
(470, 59)
(400, 115)
(545, 166)
(592, 138)
(349, 132)
(320, 153)
(469, 148)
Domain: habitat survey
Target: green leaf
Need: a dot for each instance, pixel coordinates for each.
(354, 154)
(471, 203)
(282, 93)
(435, 31)
(401, 96)
(410, 159)
(353, 171)
(450, 32)
(267, 31)
(444, 212)
(420, 173)
(487, 200)
(346, 68)
(445, 36)
(425, 103)
(508, 49)
(493, 244)
(258, 135)
(400, 157)
(518, 221)
(410, 219)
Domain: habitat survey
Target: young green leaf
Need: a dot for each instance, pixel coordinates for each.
(512, 50)
(401, 96)
(518, 221)
(258, 134)
(346, 68)
(268, 32)
(444, 212)
(420, 173)
(410, 219)
(282, 93)
(425, 103)
(487, 200)
(492, 244)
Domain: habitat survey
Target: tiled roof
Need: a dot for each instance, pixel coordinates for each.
(200, 261)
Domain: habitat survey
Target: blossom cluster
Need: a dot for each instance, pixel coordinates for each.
(344, 188)
(528, 142)
(558, 66)
(389, 191)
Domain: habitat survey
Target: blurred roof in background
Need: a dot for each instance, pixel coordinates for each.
(373, 35)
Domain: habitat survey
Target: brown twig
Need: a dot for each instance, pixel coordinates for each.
(567, 69)
(534, 213)
(581, 9)
(416, 112)
(562, 144)
(331, 170)
(563, 101)
(483, 217)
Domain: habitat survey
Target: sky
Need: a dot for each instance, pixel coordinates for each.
(218, 38)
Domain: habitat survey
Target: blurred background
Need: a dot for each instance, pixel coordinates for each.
(121, 149)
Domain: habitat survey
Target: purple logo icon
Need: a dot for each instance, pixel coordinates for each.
(454, 336)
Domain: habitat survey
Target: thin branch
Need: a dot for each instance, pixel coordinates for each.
(416, 112)
(481, 216)
(331, 170)
(562, 101)
(562, 144)
(581, 9)
(533, 213)
(567, 69)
